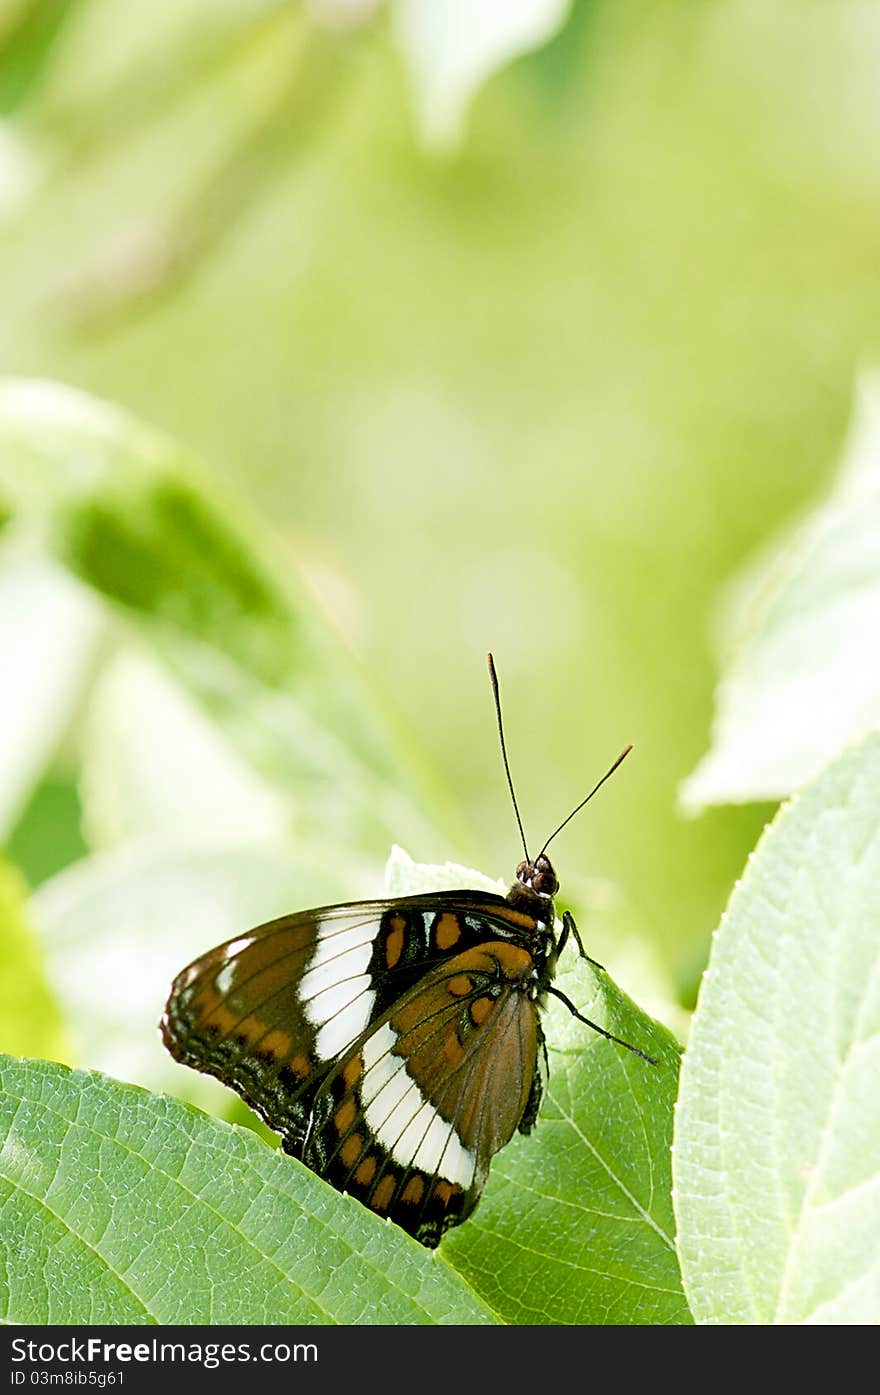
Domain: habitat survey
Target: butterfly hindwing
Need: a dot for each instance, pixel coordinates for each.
(391, 1043)
(411, 1118)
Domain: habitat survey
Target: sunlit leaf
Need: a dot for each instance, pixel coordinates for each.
(211, 589)
(119, 1206)
(49, 628)
(453, 48)
(30, 1020)
(803, 679)
(104, 74)
(124, 510)
(777, 1138)
(154, 763)
(20, 170)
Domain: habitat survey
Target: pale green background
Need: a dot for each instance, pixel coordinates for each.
(542, 394)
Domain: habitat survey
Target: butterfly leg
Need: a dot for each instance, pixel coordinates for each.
(596, 1028)
(570, 928)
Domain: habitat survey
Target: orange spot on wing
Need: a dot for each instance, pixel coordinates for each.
(521, 919)
(452, 1048)
(515, 962)
(276, 1043)
(395, 941)
(381, 1198)
(345, 1115)
(210, 1010)
(366, 1172)
(443, 1192)
(480, 1009)
(413, 1191)
(448, 930)
(301, 1066)
(353, 1070)
(351, 1149)
(460, 985)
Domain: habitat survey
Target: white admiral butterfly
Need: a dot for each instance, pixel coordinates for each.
(396, 1045)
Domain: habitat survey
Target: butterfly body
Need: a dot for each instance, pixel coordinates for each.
(395, 1045)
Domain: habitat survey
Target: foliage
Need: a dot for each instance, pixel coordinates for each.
(32, 1023)
(244, 1235)
(801, 678)
(777, 1134)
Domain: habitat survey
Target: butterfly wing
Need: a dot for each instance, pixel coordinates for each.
(270, 1011)
(410, 1118)
(391, 1043)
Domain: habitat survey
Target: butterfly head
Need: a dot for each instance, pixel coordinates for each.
(534, 888)
(538, 876)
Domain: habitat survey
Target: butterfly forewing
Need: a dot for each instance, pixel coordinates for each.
(240, 1012)
(393, 1044)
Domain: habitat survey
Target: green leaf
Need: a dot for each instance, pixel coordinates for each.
(201, 783)
(777, 1139)
(30, 1021)
(119, 1206)
(803, 678)
(124, 511)
(49, 630)
(48, 836)
(212, 591)
(576, 1223)
(450, 56)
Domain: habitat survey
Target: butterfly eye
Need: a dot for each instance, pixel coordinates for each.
(544, 878)
(538, 876)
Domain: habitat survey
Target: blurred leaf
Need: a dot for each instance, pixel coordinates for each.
(124, 1207)
(21, 170)
(257, 88)
(124, 512)
(804, 677)
(777, 1138)
(28, 32)
(199, 788)
(48, 836)
(405, 877)
(576, 1225)
(210, 588)
(119, 926)
(30, 1022)
(106, 76)
(49, 628)
(452, 49)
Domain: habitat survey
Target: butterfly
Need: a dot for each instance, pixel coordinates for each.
(395, 1045)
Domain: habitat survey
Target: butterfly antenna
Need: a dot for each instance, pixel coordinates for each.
(608, 773)
(494, 677)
